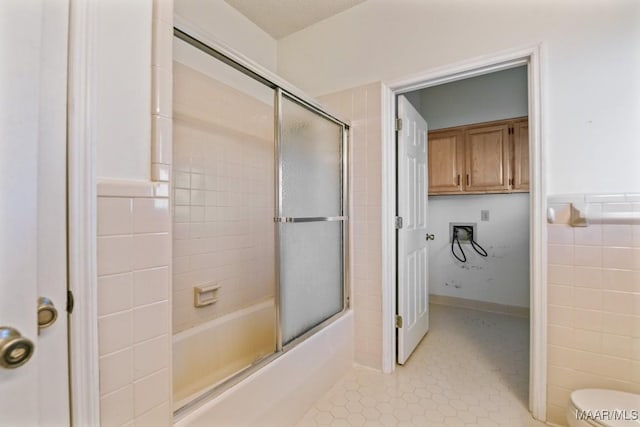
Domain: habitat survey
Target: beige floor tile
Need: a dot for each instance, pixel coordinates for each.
(472, 369)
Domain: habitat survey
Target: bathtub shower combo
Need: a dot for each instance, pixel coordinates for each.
(260, 220)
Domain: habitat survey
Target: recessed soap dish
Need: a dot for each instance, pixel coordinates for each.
(205, 295)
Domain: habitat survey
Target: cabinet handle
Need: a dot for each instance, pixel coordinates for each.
(458, 180)
(467, 179)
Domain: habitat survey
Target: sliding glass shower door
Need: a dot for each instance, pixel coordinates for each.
(246, 290)
(311, 221)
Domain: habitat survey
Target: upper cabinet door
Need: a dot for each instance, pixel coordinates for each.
(487, 158)
(521, 156)
(446, 161)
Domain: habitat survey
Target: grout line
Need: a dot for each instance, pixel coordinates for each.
(153, 409)
(102, 396)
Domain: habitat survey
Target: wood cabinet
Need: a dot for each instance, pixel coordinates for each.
(521, 156)
(446, 160)
(487, 158)
(481, 158)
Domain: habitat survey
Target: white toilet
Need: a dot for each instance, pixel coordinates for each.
(603, 408)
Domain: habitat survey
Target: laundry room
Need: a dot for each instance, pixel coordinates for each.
(478, 204)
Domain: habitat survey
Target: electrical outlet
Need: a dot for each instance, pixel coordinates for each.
(484, 215)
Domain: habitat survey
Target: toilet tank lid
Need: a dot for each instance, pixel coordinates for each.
(617, 403)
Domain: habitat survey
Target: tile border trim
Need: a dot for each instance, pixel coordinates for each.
(132, 188)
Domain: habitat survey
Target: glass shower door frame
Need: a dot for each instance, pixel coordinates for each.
(237, 62)
(279, 218)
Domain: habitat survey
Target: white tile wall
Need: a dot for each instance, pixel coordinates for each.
(133, 307)
(222, 198)
(362, 106)
(594, 303)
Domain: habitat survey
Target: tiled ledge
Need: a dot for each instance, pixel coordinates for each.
(594, 198)
(584, 209)
(132, 188)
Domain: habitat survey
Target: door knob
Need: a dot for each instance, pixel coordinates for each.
(15, 350)
(431, 236)
(47, 313)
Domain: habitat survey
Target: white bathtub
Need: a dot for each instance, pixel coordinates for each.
(280, 393)
(211, 352)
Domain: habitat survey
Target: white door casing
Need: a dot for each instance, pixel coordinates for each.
(509, 58)
(33, 260)
(413, 289)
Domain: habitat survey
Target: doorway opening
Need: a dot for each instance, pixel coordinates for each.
(501, 209)
(471, 228)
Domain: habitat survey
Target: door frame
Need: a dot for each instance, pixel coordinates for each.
(529, 55)
(82, 214)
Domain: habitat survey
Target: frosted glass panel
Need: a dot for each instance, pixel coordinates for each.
(310, 275)
(311, 163)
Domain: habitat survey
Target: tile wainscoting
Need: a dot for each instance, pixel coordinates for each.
(134, 253)
(593, 300)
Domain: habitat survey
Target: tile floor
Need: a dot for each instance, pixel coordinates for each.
(471, 369)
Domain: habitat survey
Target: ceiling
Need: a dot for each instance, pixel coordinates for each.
(280, 18)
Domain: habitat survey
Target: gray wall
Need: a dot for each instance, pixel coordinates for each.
(494, 96)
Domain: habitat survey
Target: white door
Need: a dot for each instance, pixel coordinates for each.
(413, 290)
(33, 82)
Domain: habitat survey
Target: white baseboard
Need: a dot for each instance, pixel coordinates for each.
(492, 307)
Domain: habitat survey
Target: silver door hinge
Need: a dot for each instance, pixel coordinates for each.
(398, 222)
(398, 124)
(398, 321)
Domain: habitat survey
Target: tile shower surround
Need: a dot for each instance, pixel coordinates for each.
(362, 106)
(593, 302)
(223, 198)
